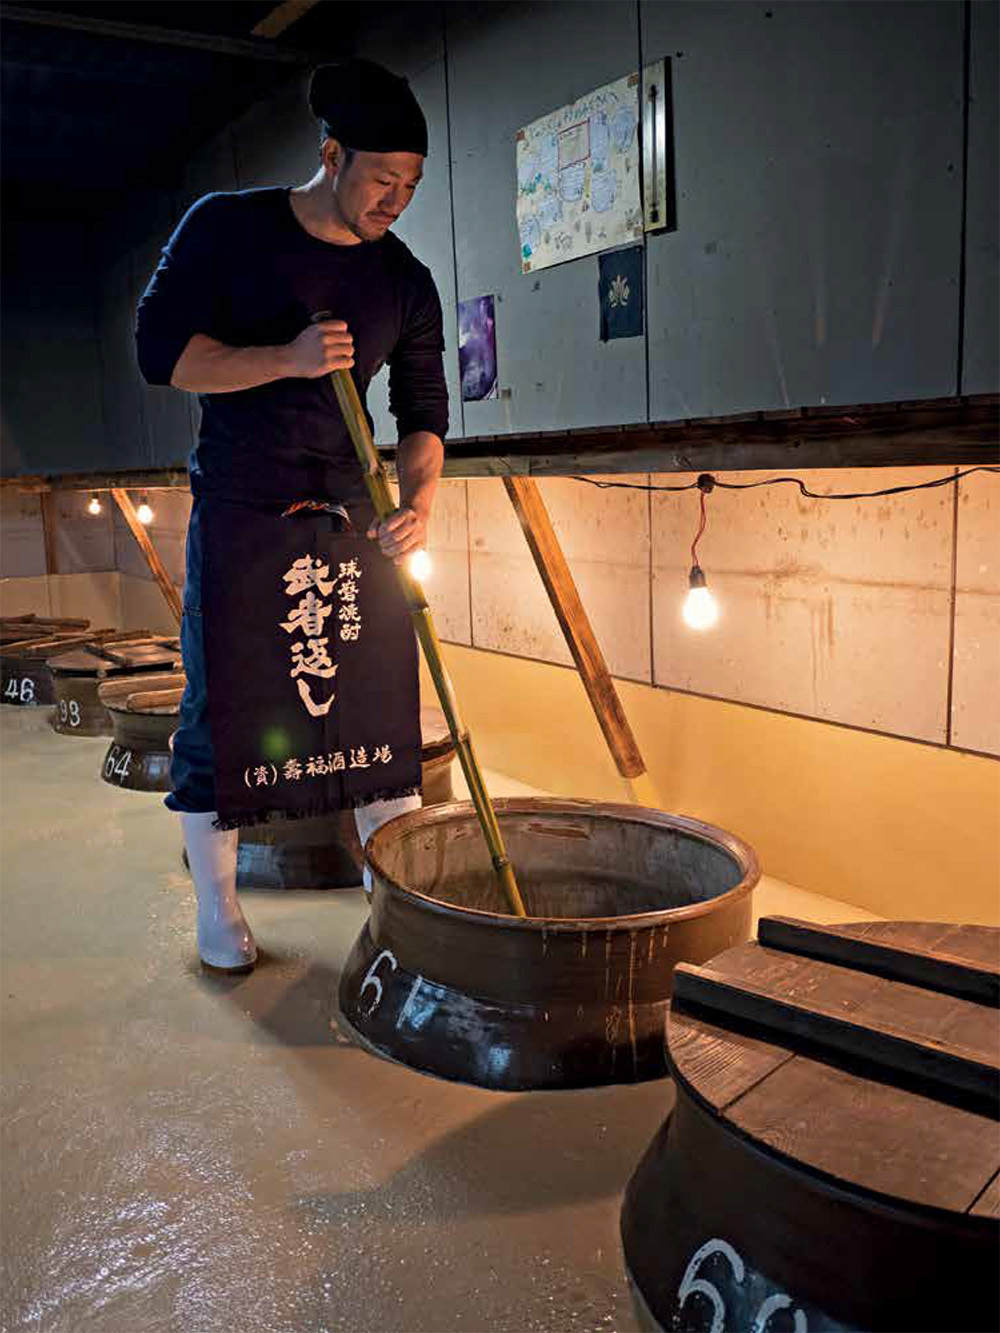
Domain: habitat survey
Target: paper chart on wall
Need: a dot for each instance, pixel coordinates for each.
(578, 177)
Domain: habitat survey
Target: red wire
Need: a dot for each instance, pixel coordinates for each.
(701, 529)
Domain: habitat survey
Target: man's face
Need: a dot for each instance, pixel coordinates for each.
(372, 190)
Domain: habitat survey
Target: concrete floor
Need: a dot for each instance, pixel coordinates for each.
(190, 1153)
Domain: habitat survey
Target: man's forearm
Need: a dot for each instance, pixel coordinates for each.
(208, 366)
(419, 460)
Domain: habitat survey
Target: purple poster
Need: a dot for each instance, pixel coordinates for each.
(477, 349)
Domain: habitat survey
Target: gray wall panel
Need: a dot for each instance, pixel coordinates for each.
(981, 372)
(51, 408)
(508, 65)
(819, 191)
(145, 428)
(816, 259)
(211, 169)
(126, 445)
(277, 141)
(426, 224)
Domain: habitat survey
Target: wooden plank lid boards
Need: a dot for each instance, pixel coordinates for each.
(25, 642)
(143, 708)
(17, 628)
(25, 675)
(832, 1158)
(78, 673)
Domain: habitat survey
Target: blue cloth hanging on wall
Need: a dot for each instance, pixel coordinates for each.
(620, 289)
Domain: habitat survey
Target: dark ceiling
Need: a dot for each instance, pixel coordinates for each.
(101, 98)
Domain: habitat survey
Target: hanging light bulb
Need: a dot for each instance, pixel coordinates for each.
(420, 565)
(700, 610)
(95, 505)
(144, 514)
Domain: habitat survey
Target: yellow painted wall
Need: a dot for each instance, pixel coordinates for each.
(899, 828)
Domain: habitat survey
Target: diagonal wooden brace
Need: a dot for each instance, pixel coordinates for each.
(170, 593)
(580, 638)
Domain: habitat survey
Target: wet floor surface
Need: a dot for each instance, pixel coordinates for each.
(187, 1152)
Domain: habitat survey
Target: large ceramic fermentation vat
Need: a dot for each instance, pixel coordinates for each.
(324, 852)
(25, 679)
(143, 710)
(831, 1160)
(77, 674)
(444, 979)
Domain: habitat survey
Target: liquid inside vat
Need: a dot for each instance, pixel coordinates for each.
(587, 868)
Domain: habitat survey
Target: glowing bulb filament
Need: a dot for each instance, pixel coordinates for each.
(420, 565)
(144, 514)
(700, 610)
(95, 505)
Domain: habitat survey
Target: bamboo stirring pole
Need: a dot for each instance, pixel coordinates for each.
(378, 489)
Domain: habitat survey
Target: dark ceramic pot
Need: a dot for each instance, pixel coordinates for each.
(78, 710)
(25, 680)
(77, 677)
(798, 1189)
(444, 979)
(138, 757)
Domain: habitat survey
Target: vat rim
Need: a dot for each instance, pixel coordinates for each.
(742, 852)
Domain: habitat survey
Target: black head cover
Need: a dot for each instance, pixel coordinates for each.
(365, 106)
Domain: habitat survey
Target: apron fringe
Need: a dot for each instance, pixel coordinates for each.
(251, 818)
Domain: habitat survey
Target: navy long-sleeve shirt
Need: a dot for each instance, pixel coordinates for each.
(241, 269)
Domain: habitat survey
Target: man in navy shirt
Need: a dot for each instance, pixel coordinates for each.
(229, 315)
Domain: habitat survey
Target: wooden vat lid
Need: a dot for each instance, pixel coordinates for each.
(46, 643)
(132, 654)
(117, 693)
(868, 1053)
(19, 628)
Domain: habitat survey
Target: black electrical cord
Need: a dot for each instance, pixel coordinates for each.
(706, 477)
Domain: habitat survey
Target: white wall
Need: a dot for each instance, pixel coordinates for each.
(843, 611)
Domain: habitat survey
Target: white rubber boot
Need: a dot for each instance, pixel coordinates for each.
(224, 938)
(371, 817)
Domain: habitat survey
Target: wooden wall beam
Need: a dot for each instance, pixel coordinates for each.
(949, 432)
(147, 479)
(170, 593)
(946, 432)
(49, 533)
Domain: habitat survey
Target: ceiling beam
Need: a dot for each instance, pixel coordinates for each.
(928, 432)
(135, 479)
(282, 17)
(945, 432)
(250, 48)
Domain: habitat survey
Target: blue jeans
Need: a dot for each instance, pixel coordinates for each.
(192, 763)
